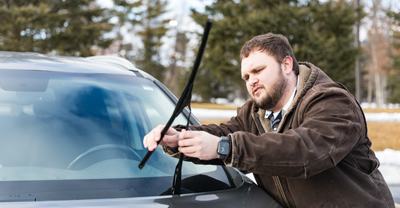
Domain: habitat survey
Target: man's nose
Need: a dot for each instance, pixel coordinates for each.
(253, 80)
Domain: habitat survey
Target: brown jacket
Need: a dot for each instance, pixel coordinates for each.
(321, 155)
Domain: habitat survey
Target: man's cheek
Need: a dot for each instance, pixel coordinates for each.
(249, 90)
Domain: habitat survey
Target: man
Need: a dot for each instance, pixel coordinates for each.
(303, 136)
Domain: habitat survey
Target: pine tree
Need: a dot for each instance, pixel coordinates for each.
(393, 77)
(153, 29)
(320, 33)
(329, 41)
(61, 27)
(128, 15)
(219, 73)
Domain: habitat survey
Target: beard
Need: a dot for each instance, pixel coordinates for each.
(273, 96)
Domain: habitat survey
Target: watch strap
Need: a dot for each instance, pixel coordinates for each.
(225, 138)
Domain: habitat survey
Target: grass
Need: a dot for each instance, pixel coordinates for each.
(213, 106)
(382, 135)
(382, 110)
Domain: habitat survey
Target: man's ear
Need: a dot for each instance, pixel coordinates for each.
(287, 64)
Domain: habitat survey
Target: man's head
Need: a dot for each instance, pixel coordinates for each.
(275, 45)
(268, 67)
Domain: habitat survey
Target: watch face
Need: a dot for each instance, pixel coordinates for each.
(223, 148)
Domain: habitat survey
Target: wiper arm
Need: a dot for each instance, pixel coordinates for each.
(186, 95)
(183, 101)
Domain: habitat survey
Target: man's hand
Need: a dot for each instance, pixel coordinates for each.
(198, 144)
(170, 139)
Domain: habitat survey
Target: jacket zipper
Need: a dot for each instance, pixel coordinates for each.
(278, 184)
(276, 179)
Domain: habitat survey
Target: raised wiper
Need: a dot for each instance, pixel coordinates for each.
(184, 101)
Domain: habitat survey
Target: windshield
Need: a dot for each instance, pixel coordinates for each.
(68, 128)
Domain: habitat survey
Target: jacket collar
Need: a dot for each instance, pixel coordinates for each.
(308, 74)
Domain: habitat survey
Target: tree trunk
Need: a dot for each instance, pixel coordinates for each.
(370, 85)
(357, 45)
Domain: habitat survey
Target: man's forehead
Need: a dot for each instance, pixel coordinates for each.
(254, 51)
(254, 59)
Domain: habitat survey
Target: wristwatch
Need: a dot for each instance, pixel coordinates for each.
(223, 147)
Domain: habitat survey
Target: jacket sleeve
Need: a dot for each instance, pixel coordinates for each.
(327, 125)
(233, 125)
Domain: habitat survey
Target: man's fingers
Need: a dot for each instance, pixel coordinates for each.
(151, 139)
(189, 134)
(157, 132)
(171, 131)
(186, 142)
(198, 144)
(170, 139)
(188, 151)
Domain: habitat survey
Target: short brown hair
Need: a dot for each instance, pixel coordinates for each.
(275, 45)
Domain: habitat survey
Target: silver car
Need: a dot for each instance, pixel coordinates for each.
(71, 132)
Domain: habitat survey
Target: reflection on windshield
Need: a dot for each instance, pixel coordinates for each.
(58, 126)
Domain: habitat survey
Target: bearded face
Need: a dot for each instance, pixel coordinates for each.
(271, 96)
(266, 79)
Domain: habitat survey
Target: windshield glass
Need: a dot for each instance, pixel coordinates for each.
(71, 127)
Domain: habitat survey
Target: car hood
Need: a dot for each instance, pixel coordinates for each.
(248, 195)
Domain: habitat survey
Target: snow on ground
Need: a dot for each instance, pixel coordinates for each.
(389, 159)
(209, 114)
(390, 165)
(383, 117)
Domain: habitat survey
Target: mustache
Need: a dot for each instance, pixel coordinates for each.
(256, 86)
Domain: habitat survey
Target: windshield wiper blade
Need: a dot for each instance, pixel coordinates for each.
(186, 95)
(183, 101)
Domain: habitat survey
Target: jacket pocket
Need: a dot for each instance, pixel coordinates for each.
(352, 161)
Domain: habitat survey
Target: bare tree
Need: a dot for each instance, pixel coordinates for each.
(377, 48)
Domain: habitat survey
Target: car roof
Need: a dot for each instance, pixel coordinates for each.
(90, 65)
